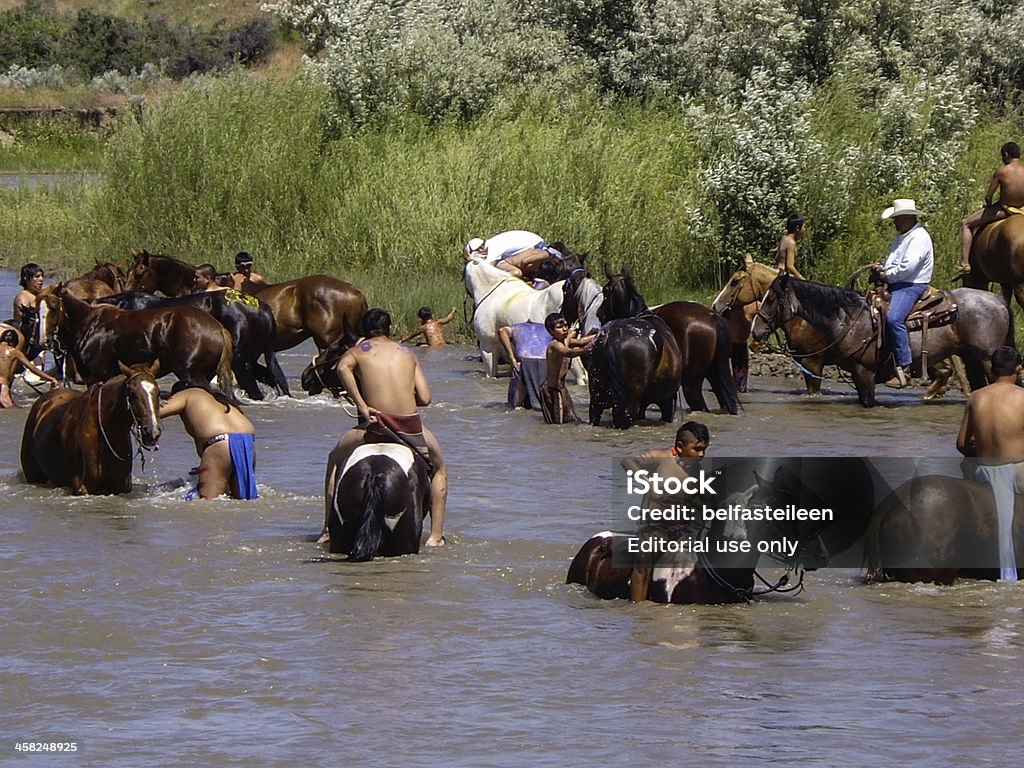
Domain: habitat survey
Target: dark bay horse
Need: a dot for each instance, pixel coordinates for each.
(851, 330)
(249, 321)
(377, 506)
(935, 528)
(722, 572)
(186, 341)
(320, 307)
(700, 337)
(84, 439)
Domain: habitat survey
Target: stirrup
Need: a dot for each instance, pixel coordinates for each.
(900, 380)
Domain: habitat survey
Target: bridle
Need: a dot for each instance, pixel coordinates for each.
(134, 430)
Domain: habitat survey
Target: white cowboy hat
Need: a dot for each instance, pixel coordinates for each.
(474, 245)
(903, 207)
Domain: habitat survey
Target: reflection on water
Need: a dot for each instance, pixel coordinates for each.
(161, 632)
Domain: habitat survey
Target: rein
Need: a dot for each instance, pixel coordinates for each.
(851, 324)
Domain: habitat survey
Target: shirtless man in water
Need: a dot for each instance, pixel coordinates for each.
(10, 356)
(993, 429)
(224, 440)
(388, 386)
(1008, 180)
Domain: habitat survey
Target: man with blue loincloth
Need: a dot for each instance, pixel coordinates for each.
(387, 384)
(993, 430)
(224, 437)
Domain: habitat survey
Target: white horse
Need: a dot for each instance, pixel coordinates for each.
(500, 299)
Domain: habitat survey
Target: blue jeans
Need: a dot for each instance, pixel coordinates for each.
(904, 295)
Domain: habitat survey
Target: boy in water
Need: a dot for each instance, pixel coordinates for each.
(555, 400)
(10, 356)
(430, 328)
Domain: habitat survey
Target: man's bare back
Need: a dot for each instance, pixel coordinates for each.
(384, 370)
(204, 418)
(993, 425)
(1009, 179)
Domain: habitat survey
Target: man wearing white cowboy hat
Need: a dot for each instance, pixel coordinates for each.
(907, 270)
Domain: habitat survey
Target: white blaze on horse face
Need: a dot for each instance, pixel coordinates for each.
(153, 396)
(43, 310)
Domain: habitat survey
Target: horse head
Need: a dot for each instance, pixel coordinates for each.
(322, 371)
(49, 314)
(777, 308)
(785, 488)
(747, 285)
(143, 398)
(621, 298)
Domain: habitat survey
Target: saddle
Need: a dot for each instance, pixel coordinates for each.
(934, 309)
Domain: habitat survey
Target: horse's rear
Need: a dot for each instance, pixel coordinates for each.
(703, 340)
(317, 306)
(49, 437)
(379, 502)
(635, 362)
(935, 528)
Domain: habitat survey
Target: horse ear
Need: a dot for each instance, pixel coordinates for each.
(748, 261)
(154, 367)
(607, 272)
(625, 271)
(124, 368)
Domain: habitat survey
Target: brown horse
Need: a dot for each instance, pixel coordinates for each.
(84, 439)
(847, 320)
(317, 306)
(186, 341)
(997, 256)
(102, 280)
(935, 528)
(807, 348)
(738, 301)
(634, 361)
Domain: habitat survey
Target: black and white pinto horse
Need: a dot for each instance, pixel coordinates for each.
(378, 503)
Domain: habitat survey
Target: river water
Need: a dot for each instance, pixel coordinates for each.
(154, 631)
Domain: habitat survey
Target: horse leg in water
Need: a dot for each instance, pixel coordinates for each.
(864, 381)
(668, 409)
(812, 375)
(693, 391)
(739, 358)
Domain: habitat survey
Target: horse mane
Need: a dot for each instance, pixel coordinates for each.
(821, 303)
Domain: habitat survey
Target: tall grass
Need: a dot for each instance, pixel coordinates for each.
(240, 163)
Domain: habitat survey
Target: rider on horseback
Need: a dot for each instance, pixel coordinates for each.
(1008, 180)
(388, 386)
(907, 270)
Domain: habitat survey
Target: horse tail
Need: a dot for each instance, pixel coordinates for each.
(616, 381)
(225, 376)
(722, 382)
(371, 528)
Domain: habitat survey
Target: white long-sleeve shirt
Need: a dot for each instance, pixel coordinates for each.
(911, 258)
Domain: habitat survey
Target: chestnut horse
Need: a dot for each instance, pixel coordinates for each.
(186, 341)
(104, 279)
(249, 321)
(84, 439)
(317, 306)
(997, 256)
